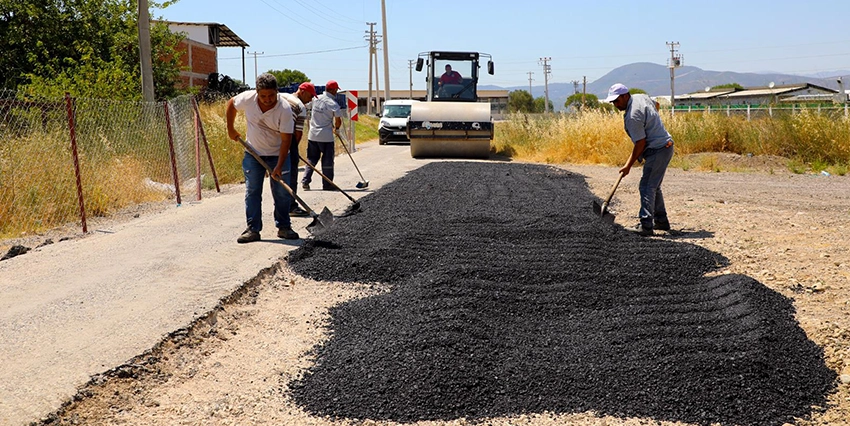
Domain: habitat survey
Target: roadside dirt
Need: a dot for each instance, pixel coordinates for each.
(232, 366)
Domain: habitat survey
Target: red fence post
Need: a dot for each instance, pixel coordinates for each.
(206, 145)
(171, 151)
(73, 129)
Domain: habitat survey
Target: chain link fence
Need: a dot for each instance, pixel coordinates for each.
(65, 159)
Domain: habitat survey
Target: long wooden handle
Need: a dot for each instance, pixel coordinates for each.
(613, 189)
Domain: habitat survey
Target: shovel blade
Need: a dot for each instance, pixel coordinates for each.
(601, 210)
(361, 185)
(321, 222)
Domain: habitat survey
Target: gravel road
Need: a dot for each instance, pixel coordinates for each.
(487, 293)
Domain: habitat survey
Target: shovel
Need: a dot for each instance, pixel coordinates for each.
(363, 182)
(355, 206)
(602, 210)
(320, 221)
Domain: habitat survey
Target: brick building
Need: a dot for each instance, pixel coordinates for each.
(200, 45)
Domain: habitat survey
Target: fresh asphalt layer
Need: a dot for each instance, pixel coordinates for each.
(506, 295)
(78, 308)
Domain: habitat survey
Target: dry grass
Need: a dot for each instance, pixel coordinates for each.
(811, 141)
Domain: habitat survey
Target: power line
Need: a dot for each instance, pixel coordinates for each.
(302, 22)
(304, 53)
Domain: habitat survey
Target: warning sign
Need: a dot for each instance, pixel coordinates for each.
(351, 96)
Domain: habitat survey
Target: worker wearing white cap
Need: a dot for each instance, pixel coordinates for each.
(654, 146)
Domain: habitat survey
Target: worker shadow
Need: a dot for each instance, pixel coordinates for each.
(686, 234)
(507, 295)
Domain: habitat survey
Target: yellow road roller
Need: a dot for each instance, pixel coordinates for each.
(451, 122)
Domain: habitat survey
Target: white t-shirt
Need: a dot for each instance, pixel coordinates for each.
(325, 109)
(264, 128)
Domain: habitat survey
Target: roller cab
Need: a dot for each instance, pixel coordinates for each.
(451, 122)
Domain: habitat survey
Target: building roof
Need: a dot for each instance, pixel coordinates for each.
(220, 35)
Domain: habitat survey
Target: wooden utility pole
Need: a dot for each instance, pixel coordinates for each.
(583, 90)
(530, 73)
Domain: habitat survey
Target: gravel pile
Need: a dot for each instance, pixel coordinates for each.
(507, 295)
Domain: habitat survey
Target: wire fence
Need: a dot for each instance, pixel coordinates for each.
(65, 159)
(767, 111)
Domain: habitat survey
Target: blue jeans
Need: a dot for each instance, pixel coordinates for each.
(652, 207)
(255, 174)
(325, 150)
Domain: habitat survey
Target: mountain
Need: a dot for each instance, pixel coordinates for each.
(654, 79)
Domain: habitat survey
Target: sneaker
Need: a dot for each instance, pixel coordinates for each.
(287, 234)
(662, 226)
(640, 230)
(298, 212)
(305, 186)
(248, 236)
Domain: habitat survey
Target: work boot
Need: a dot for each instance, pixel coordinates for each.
(662, 225)
(305, 186)
(287, 234)
(298, 212)
(640, 230)
(248, 236)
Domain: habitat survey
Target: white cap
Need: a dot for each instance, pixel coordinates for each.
(615, 91)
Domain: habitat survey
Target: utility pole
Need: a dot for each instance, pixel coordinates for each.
(583, 90)
(145, 51)
(547, 69)
(255, 53)
(372, 53)
(410, 63)
(575, 86)
(529, 83)
(386, 53)
(675, 62)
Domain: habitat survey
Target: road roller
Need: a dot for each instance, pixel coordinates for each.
(451, 122)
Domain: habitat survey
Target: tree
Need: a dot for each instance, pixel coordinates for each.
(540, 105)
(520, 101)
(89, 48)
(729, 86)
(288, 77)
(635, 91)
(591, 101)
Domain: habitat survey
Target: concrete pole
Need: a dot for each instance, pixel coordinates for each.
(386, 53)
(145, 51)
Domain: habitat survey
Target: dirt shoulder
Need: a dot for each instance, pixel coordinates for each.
(231, 366)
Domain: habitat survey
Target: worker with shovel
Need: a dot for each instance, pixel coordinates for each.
(297, 101)
(270, 128)
(654, 146)
(325, 122)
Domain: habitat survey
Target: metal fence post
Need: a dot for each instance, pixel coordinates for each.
(206, 145)
(173, 155)
(72, 127)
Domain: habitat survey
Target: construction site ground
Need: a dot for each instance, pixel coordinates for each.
(157, 316)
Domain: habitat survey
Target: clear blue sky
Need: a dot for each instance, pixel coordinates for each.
(325, 39)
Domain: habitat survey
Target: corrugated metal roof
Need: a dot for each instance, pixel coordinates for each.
(703, 95)
(220, 34)
(764, 91)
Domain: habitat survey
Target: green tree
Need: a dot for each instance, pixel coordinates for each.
(591, 101)
(635, 91)
(520, 101)
(729, 86)
(540, 105)
(288, 77)
(89, 48)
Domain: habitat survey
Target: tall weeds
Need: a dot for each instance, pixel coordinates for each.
(595, 137)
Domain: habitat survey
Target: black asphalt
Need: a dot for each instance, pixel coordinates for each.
(508, 296)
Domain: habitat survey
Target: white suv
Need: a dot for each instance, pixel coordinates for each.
(394, 117)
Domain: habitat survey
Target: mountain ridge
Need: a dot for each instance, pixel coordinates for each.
(654, 79)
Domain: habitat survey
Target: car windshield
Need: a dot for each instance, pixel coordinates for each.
(397, 111)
